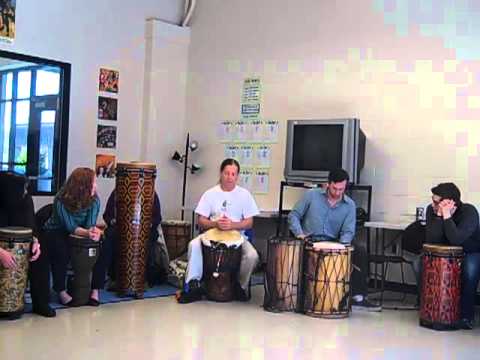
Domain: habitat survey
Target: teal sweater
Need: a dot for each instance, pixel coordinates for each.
(63, 219)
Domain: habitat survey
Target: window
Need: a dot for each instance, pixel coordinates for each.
(34, 103)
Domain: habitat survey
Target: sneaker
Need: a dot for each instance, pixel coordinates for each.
(465, 324)
(191, 292)
(366, 305)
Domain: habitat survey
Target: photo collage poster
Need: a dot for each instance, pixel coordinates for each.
(249, 139)
(107, 115)
(7, 19)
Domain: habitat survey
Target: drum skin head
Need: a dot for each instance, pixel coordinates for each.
(15, 231)
(222, 236)
(135, 164)
(328, 245)
(442, 249)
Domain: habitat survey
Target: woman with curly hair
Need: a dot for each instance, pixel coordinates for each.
(75, 211)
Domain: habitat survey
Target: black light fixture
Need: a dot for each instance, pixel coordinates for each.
(189, 146)
(177, 157)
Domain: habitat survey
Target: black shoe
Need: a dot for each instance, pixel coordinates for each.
(366, 305)
(240, 293)
(14, 315)
(191, 292)
(465, 324)
(46, 311)
(93, 302)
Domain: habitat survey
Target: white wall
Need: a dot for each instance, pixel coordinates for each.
(90, 35)
(408, 71)
(163, 129)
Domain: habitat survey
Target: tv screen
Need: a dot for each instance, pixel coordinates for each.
(317, 147)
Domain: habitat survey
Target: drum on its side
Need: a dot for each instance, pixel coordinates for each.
(135, 186)
(326, 280)
(84, 253)
(13, 282)
(283, 274)
(177, 235)
(441, 286)
(221, 263)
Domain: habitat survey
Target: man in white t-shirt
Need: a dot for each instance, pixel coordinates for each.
(226, 206)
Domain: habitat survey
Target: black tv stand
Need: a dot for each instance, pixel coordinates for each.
(311, 185)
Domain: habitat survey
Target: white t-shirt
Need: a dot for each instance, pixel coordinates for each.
(237, 204)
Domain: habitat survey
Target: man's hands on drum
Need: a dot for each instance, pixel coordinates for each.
(303, 236)
(224, 223)
(35, 249)
(94, 233)
(446, 208)
(7, 260)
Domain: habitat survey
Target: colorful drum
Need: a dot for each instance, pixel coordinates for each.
(13, 282)
(135, 186)
(441, 286)
(222, 254)
(84, 253)
(283, 275)
(326, 280)
(177, 235)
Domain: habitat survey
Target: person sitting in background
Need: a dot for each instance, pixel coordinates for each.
(452, 222)
(329, 215)
(157, 258)
(75, 211)
(16, 209)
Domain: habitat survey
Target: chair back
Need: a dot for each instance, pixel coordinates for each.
(42, 215)
(414, 237)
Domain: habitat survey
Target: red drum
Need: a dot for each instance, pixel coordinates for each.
(326, 280)
(282, 275)
(222, 254)
(13, 282)
(135, 186)
(441, 286)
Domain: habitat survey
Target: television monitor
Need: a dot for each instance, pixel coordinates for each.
(314, 147)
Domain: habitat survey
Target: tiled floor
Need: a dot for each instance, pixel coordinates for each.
(162, 329)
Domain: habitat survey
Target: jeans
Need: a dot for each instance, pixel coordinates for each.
(470, 278)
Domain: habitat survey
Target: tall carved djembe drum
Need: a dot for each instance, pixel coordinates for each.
(135, 188)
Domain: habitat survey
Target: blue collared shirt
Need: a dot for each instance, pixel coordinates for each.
(313, 215)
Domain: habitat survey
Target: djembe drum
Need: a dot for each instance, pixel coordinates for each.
(222, 253)
(13, 282)
(441, 286)
(135, 186)
(283, 275)
(178, 234)
(84, 253)
(326, 280)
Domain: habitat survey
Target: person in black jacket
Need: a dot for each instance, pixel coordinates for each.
(16, 209)
(449, 221)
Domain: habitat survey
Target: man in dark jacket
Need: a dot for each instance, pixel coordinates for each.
(449, 221)
(16, 209)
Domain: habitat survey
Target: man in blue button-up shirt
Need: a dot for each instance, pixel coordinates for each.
(330, 215)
